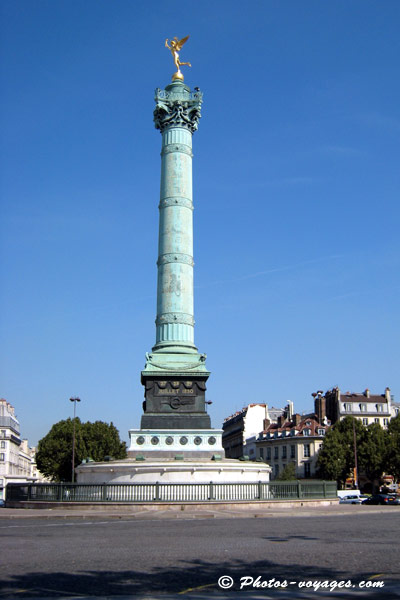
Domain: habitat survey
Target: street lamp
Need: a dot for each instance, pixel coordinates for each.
(74, 400)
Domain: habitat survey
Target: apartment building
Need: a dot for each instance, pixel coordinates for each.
(296, 440)
(368, 408)
(16, 459)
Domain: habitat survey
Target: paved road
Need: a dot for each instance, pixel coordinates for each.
(148, 557)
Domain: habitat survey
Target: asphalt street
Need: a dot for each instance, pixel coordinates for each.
(100, 556)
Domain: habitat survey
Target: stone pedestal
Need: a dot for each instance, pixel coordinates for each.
(175, 403)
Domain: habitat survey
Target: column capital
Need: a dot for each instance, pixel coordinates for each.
(177, 106)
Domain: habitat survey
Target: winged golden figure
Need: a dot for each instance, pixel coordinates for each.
(175, 47)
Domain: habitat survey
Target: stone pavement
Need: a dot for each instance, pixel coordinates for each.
(186, 511)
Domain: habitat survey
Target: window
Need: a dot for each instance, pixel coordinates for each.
(321, 431)
(3, 444)
(376, 420)
(276, 452)
(365, 421)
(276, 434)
(276, 470)
(307, 470)
(2, 458)
(293, 451)
(347, 406)
(379, 407)
(261, 452)
(308, 423)
(268, 453)
(284, 451)
(385, 422)
(307, 450)
(363, 407)
(307, 432)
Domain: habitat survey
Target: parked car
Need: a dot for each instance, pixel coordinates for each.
(383, 499)
(351, 500)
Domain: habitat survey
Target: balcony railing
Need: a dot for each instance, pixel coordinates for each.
(171, 492)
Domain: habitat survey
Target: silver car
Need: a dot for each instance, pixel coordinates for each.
(351, 500)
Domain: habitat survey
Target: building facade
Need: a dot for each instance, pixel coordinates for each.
(241, 429)
(292, 441)
(368, 408)
(16, 458)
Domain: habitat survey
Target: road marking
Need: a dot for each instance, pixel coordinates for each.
(195, 589)
(113, 521)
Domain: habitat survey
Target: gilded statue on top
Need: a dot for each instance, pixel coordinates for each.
(175, 47)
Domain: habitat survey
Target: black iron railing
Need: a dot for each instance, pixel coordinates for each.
(170, 492)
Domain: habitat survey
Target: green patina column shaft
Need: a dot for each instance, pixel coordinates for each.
(175, 373)
(176, 115)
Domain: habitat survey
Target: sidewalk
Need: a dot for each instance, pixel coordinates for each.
(186, 511)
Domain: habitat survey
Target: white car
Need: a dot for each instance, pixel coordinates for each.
(351, 499)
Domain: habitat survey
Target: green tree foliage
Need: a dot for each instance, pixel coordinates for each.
(378, 450)
(336, 456)
(96, 440)
(393, 448)
(371, 451)
(102, 439)
(288, 473)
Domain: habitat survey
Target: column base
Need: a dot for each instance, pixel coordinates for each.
(175, 444)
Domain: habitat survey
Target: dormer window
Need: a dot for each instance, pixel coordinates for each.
(308, 423)
(379, 407)
(292, 432)
(321, 431)
(283, 433)
(363, 408)
(306, 432)
(276, 434)
(347, 406)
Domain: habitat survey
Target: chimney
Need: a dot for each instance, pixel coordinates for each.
(289, 410)
(267, 423)
(320, 407)
(387, 394)
(280, 420)
(366, 393)
(296, 419)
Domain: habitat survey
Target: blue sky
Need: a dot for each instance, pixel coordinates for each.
(296, 193)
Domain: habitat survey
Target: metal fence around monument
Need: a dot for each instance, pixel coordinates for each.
(171, 492)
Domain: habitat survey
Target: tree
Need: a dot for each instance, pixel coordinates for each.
(102, 439)
(372, 451)
(336, 456)
(96, 440)
(288, 473)
(392, 455)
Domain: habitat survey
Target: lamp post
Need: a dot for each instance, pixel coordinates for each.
(355, 455)
(74, 400)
